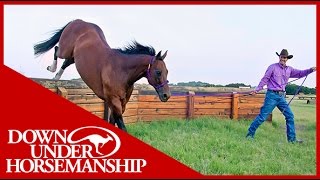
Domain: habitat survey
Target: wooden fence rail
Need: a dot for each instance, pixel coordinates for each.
(149, 108)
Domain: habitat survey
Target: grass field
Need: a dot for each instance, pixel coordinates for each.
(214, 146)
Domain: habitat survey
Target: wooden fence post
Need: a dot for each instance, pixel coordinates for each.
(235, 106)
(190, 105)
(62, 92)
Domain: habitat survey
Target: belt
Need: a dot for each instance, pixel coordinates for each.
(277, 91)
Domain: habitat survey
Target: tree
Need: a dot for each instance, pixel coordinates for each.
(292, 88)
(236, 85)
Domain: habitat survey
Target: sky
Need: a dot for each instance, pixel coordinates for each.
(217, 44)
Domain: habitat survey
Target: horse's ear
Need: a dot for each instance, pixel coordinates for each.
(164, 55)
(158, 56)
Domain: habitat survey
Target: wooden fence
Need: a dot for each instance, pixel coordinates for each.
(143, 107)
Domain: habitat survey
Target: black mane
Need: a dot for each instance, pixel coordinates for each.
(137, 48)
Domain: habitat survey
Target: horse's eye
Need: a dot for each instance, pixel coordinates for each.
(158, 73)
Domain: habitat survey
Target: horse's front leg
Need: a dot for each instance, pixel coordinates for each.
(120, 123)
(116, 107)
(108, 114)
(128, 95)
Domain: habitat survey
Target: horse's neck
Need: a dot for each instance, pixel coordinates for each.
(137, 66)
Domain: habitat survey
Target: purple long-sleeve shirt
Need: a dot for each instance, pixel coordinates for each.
(277, 76)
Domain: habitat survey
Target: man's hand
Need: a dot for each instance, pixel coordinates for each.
(253, 93)
(313, 69)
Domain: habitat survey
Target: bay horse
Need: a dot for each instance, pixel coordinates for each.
(110, 73)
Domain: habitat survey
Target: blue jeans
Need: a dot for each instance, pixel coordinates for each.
(273, 99)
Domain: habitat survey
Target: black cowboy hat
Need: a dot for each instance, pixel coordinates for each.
(284, 53)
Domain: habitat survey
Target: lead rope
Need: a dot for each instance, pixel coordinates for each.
(297, 91)
(242, 94)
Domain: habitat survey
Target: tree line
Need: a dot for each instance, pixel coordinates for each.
(204, 84)
(290, 88)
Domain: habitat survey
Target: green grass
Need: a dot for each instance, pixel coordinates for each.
(216, 146)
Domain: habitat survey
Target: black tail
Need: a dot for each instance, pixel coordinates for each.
(46, 45)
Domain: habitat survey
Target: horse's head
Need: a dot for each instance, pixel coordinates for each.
(157, 76)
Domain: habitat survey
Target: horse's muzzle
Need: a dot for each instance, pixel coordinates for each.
(164, 97)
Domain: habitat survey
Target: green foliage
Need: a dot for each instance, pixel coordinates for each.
(292, 88)
(194, 84)
(236, 85)
(218, 146)
(204, 84)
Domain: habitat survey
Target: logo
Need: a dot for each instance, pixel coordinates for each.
(97, 140)
(85, 149)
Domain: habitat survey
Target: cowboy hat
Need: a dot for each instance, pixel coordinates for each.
(284, 53)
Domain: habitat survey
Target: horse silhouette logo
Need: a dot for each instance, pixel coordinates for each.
(97, 140)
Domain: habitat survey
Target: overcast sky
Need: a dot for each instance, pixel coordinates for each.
(218, 44)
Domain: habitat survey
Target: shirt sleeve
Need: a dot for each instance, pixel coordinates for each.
(296, 73)
(265, 78)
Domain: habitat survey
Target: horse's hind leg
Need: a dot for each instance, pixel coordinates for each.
(65, 64)
(53, 67)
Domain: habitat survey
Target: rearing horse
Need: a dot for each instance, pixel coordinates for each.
(110, 73)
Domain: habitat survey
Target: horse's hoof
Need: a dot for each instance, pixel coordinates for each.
(51, 70)
(57, 77)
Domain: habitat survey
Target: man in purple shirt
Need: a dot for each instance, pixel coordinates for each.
(276, 79)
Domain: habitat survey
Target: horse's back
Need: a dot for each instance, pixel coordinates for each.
(76, 33)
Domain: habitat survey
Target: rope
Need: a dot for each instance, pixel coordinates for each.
(229, 94)
(297, 91)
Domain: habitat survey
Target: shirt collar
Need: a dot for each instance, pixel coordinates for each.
(282, 66)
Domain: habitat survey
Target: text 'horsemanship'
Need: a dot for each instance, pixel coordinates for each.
(58, 151)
